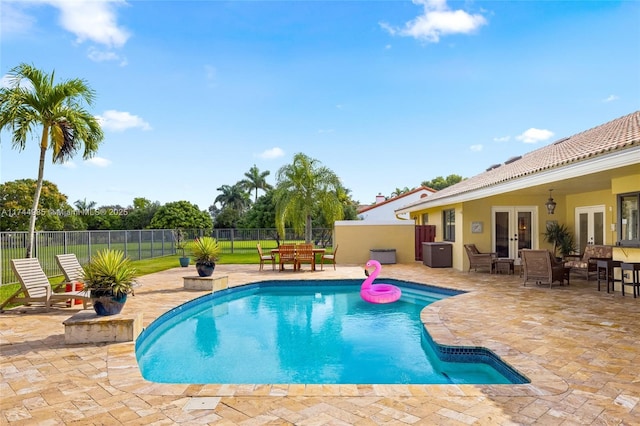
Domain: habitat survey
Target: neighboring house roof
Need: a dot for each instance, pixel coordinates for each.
(615, 136)
(397, 198)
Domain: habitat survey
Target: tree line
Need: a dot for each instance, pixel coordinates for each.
(306, 193)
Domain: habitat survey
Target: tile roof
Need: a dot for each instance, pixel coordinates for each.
(619, 134)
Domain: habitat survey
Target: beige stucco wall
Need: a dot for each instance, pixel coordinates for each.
(356, 238)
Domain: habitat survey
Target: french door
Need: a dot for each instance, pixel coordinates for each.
(513, 229)
(590, 226)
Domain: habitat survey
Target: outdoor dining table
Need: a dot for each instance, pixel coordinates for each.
(276, 252)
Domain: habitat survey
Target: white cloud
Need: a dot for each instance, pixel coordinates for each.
(272, 153)
(13, 20)
(502, 139)
(98, 162)
(476, 148)
(69, 165)
(119, 121)
(535, 135)
(97, 55)
(5, 81)
(93, 20)
(436, 21)
(611, 98)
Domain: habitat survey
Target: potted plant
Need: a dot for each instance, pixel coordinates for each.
(561, 238)
(181, 244)
(109, 277)
(205, 251)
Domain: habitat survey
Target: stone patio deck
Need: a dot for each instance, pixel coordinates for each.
(579, 347)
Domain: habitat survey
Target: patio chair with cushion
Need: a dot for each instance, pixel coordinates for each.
(588, 262)
(266, 258)
(36, 287)
(479, 260)
(329, 257)
(287, 254)
(540, 267)
(304, 254)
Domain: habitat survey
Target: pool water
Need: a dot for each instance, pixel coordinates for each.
(318, 332)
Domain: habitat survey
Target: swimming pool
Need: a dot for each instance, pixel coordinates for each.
(317, 331)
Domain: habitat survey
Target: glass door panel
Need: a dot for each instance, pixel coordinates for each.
(590, 226)
(501, 229)
(525, 224)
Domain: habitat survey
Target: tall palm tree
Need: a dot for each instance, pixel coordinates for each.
(256, 180)
(31, 100)
(233, 196)
(303, 187)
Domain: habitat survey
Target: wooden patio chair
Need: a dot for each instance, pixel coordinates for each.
(304, 254)
(70, 267)
(36, 287)
(287, 254)
(330, 257)
(540, 267)
(479, 260)
(266, 258)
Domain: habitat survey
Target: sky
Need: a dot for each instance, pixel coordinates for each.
(387, 94)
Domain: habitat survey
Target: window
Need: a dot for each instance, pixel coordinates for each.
(449, 225)
(629, 219)
(425, 218)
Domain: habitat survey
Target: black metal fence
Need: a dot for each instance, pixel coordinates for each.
(136, 244)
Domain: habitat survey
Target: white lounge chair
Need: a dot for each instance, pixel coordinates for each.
(70, 267)
(36, 287)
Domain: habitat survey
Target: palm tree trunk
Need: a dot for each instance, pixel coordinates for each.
(307, 230)
(36, 196)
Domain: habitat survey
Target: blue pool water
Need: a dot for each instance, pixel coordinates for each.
(311, 332)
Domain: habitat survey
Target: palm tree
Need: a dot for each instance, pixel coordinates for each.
(233, 196)
(304, 187)
(84, 205)
(399, 191)
(32, 100)
(256, 180)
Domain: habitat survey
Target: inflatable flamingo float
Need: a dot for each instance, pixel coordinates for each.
(377, 293)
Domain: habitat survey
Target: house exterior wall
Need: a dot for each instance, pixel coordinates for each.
(480, 211)
(356, 238)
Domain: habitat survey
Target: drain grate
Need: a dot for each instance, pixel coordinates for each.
(202, 403)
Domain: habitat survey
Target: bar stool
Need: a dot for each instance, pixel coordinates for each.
(634, 269)
(604, 269)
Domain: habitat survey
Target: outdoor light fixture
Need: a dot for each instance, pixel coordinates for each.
(550, 204)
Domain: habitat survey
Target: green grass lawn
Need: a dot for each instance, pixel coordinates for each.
(149, 266)
(145, 267)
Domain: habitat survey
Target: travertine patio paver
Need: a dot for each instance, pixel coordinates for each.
(579, 347)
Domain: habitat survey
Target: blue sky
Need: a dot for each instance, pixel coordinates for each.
(387, 94)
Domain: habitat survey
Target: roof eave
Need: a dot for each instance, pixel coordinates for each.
(613, 160)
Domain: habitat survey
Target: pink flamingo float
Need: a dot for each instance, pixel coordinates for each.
(377, 293)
